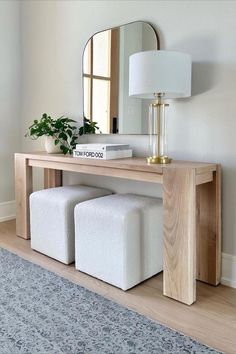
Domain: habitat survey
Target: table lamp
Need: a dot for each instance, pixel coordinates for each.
(159, 75)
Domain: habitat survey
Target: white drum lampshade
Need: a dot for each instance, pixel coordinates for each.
(159, 74)
(160, 71)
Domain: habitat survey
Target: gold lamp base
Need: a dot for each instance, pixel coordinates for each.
(158, 160)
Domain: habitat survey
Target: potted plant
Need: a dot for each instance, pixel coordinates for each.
(89, 127)
(61, 135)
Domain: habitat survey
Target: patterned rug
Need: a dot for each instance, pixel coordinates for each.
(41, 312)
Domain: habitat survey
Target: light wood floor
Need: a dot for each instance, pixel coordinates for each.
(211, 320)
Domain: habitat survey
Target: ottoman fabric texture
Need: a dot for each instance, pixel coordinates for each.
(52, 219)
(118, 238)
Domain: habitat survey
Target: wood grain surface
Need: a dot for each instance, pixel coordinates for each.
(179, 202)
(209, 230)
(52, 178)
(23, 188)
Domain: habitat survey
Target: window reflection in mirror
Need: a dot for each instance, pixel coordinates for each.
(105, 78)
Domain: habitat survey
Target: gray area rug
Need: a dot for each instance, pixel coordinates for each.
(41, 312)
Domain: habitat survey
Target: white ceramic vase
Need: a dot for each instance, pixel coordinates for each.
(50, 146)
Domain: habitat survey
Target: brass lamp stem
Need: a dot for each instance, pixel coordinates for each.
(159, 106)
(159, 158)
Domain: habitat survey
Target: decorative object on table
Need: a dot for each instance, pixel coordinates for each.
(89, 127)
(45, 313)
(102, 147)
(60, 134)
(102, 151)
(159, 74)
(50, 146)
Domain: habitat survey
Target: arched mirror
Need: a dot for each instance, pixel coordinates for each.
(105, 78)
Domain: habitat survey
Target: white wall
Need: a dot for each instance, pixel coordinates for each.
(202, 127)
(9, 99)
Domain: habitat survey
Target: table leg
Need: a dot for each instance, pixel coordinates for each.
(52, 178)
(209, 230)
(23, 188)
(179, 258)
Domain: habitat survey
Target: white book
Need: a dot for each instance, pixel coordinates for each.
(102, 147)
(102, 155)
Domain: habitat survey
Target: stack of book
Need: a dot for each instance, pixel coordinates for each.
(102, 151)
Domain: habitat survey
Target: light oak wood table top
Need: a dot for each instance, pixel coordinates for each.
(191, 202)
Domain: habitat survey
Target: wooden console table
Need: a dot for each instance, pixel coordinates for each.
(192, 210)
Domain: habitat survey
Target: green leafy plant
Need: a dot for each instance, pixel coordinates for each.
(89, 127)
(60, 129)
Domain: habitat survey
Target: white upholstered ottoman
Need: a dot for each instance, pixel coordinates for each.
(52, 219)
(118, 238)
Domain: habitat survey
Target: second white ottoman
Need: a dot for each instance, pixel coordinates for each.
(52, 219)
(118, 238)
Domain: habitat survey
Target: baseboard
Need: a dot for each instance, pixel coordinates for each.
(7, 210)
(228, 276)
